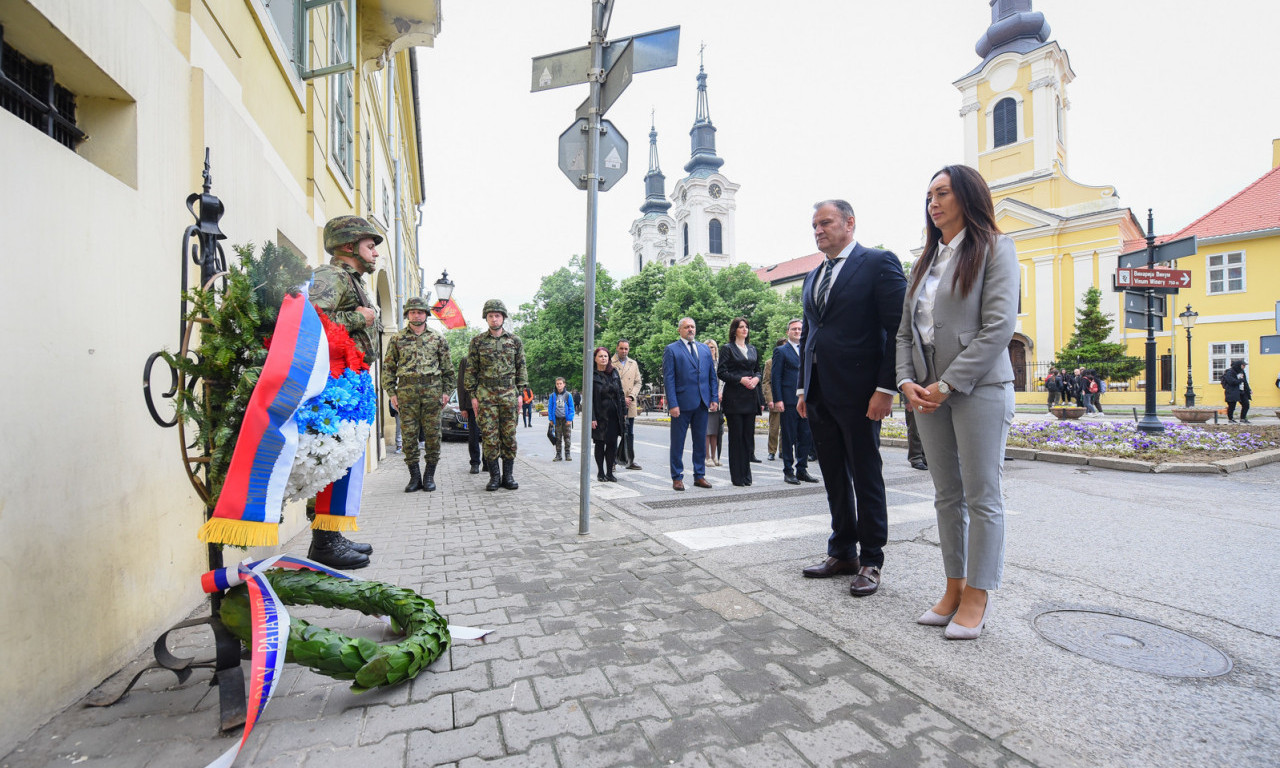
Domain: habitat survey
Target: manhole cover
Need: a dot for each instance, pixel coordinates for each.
(1131, 643)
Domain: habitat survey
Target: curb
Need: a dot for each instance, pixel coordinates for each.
(1220, 467)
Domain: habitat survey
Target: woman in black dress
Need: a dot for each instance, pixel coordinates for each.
(741, 401)
(607, 410)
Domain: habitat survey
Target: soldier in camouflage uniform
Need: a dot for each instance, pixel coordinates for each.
(338, 291)
(495, 376)
(417, 374)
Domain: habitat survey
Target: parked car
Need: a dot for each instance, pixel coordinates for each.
(453, 421)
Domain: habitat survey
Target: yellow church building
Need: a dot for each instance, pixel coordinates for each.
(1069, 234)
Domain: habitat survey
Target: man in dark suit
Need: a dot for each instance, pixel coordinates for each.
(852, 309)
(796, 439)
(690, 378)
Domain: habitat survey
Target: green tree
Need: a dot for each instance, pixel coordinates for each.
(552, 328)
(1089, 348)
(631, 317)
(459, 339)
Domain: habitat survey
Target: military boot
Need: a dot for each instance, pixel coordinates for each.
(357, 546)
(329, 548)
(495, 478)
(508, 481)
(415, 479)
(429, 477)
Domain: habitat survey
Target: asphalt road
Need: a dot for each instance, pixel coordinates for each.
(1161, 588)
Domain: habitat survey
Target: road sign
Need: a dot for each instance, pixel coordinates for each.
(650, 50)
(573, 154)
(1141, 277)
(616, 80)
(1165, 252)
(1138, 320)
(1137, 302)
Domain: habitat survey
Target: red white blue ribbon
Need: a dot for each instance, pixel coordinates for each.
(296, 369)
(270, 631)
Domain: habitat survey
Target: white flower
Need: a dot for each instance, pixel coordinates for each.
(322, 459)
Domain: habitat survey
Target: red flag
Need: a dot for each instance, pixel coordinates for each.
(448, 313)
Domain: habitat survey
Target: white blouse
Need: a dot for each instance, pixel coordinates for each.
(929, 291)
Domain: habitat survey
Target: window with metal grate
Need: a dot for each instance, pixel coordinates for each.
(29, 90)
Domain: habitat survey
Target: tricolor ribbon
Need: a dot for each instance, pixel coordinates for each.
(338, 505)
(252, 496)
(270, 632)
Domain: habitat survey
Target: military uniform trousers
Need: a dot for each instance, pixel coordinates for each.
(498, 418)
(419, 417)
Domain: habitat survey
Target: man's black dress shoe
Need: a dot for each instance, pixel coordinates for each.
(866, 582)
(754, 460)
(790, 478)
(919, 465)
(805, 476)
(831, 567)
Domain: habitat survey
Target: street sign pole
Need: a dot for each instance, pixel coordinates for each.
(1149, 422)
(600, 13)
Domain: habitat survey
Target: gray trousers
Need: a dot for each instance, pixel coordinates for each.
(964, 440)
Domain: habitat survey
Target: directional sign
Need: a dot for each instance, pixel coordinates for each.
(1140, 277)
(1137, 302)
(1269, 345)
(616, 80)
(1165, 252)
(1138, 320)
(573, 154)
(650, 50)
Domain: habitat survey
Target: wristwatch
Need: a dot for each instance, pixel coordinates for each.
(944, 387)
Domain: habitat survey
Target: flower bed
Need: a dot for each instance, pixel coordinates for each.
(1123, 438)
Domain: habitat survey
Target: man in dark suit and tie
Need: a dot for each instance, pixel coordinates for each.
(852, 309)
(796, 439)
(689, 375)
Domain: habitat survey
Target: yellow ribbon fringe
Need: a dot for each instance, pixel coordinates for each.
(333, 523)
(239, 533)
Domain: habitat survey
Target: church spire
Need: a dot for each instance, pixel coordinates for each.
(655, 198)
(703, 134)
(1014, 27)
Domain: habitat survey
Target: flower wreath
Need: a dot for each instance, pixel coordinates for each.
(333, 427)
(368, 664)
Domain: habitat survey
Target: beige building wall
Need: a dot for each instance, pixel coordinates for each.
(97, 520)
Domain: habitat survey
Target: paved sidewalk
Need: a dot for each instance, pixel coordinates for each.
(608, 649)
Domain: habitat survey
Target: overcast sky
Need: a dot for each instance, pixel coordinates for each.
(1174, 104)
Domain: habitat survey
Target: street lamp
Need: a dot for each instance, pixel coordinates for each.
(1188, 322)
(444, 287)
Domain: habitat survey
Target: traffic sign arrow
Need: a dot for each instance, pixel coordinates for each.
(650, 50)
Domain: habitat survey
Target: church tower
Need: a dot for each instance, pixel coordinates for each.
(1015, 100)
(653, 235)
(1068, 234)
(704, 199)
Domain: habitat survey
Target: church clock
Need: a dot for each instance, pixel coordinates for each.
(715, 191)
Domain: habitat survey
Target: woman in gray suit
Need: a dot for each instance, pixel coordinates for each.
(953, 367)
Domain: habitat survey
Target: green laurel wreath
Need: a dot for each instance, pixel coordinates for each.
(330, 653)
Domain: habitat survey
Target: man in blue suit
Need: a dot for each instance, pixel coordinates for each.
(689, 375)
(852, 309)
(794, 446)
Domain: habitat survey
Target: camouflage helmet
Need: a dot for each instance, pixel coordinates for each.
(495, 305)
(416, 303)
(342, 230)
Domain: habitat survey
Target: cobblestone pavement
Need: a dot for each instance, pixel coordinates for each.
(607, 649)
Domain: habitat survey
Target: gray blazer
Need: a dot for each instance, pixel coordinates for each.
(971, 335)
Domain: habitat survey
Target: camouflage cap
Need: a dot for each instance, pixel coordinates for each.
(495, 305)
(342, 230)
(416, 303)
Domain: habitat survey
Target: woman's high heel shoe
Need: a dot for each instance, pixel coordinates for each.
(956, 631)
(931, 619)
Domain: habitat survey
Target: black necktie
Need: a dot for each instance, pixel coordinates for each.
(692, 354)
(824, 286)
